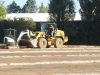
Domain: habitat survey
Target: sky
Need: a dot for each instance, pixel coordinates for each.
(38, 3)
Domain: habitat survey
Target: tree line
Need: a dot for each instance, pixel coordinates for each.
(62, 12)
(29, 7)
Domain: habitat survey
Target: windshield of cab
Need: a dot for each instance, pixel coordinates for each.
(43, 27)
(10, 33)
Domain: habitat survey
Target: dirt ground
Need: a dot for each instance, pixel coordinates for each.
(54, 61)
(63, 69)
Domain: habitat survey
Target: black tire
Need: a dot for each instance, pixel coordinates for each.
(6, 41)
(42, 43)
(58, 43)
(48, 46)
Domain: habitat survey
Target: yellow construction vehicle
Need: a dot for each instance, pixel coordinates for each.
(40, 39)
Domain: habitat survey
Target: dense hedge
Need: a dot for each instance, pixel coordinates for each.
(18, 23)
(83, 32)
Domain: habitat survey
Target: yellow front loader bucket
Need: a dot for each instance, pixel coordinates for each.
(65, 39)
(28, 43)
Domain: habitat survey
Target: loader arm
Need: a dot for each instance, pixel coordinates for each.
(22, 35)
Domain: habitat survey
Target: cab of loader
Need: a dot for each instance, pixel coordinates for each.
(49, 29)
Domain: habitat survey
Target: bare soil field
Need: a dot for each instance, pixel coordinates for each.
(70, 60)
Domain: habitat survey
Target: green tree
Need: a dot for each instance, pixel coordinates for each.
(61, 11)
(96, 13)
(13, 8)
(43, 9)
(90, 10)
(86, 10)
(1, 2)
(2, 10)
(29, 7)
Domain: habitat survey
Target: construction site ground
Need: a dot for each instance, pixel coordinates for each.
(69, 60)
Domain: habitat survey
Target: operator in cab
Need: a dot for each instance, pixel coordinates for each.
(51, 30)
(11, 32)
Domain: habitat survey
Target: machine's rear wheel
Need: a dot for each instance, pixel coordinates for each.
(42, 43)
(58, 43)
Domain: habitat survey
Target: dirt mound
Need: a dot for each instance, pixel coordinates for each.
(2, 46)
